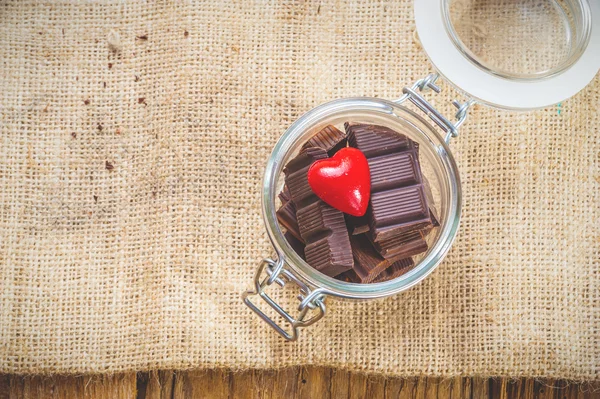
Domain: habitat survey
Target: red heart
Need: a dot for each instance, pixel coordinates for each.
(343, 181)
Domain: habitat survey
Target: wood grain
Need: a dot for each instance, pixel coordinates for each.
(121, 386)
(299, 382)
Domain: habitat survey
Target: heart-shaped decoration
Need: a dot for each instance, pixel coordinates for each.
(343, 181)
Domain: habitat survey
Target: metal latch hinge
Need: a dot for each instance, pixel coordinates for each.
(310, 300)
(413, 93)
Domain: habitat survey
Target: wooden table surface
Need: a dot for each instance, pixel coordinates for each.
(311, 382)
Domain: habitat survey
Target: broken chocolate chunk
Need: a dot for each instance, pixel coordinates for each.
(393, 212)
(297, 245)
(296, 178)
(284, 195)
(408, 244)
(367, 262)
(286, 215)
(357, 224)
(396, 270)
(374, 140)
(329, 138)
(398, 201)
(394, 170)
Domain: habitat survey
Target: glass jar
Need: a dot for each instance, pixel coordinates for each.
(454, 33)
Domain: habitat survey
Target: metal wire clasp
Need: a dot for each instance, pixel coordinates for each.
(429, 82)
(309, 300)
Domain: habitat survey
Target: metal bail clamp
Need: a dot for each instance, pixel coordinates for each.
(429, 83)
(309, 300)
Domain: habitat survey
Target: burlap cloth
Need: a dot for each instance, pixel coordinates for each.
(133, 142)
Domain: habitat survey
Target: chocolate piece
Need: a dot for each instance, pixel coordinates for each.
(297, 245)
(396, 270)
(398, 201)
(284, 195)
(396, 211)
(286, 215)
(367, 262)
(374, 140)
(321, 227)
(394, 170)
(357, 224)
(404, 245)
(296, 178)
(329, 138)
(327, 244)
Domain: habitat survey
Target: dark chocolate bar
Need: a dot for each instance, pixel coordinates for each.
(296, 178)
(284, 195)
(405, 245)
(327, 244)
(322, 227)
(394, 170)
(357, 224)
(329, 138)
(297, 245)
(374, 140)
(367, 262)
(396, 211)
(398, 202)
(286, 215)
(396, 270)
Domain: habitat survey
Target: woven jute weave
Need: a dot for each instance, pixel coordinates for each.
(133, 142)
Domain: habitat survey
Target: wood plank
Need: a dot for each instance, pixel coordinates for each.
(340, 384)
(543, 389)
(421, 388)
(459, 388)
(4, 386)
(313, 382)
(286, 383)
(121, 386)
(431, 387)
(585, 391)
(242, 385)
(393, 386)
(166, 381)
(296, 382)
(445, 387)
(358, 386)
(464, 387)
(517, 389)
(528, 389)
(480, 388)
(375, 387)
(497, 388)
(209, 384)
(408, 389)
(265, 381)
(178, 385)
(253, 384)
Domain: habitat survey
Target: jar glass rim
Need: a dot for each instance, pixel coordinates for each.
(328, 285)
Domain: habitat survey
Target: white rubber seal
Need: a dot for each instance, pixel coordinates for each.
(494, 90)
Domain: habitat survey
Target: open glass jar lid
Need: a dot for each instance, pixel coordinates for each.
(513, 54)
